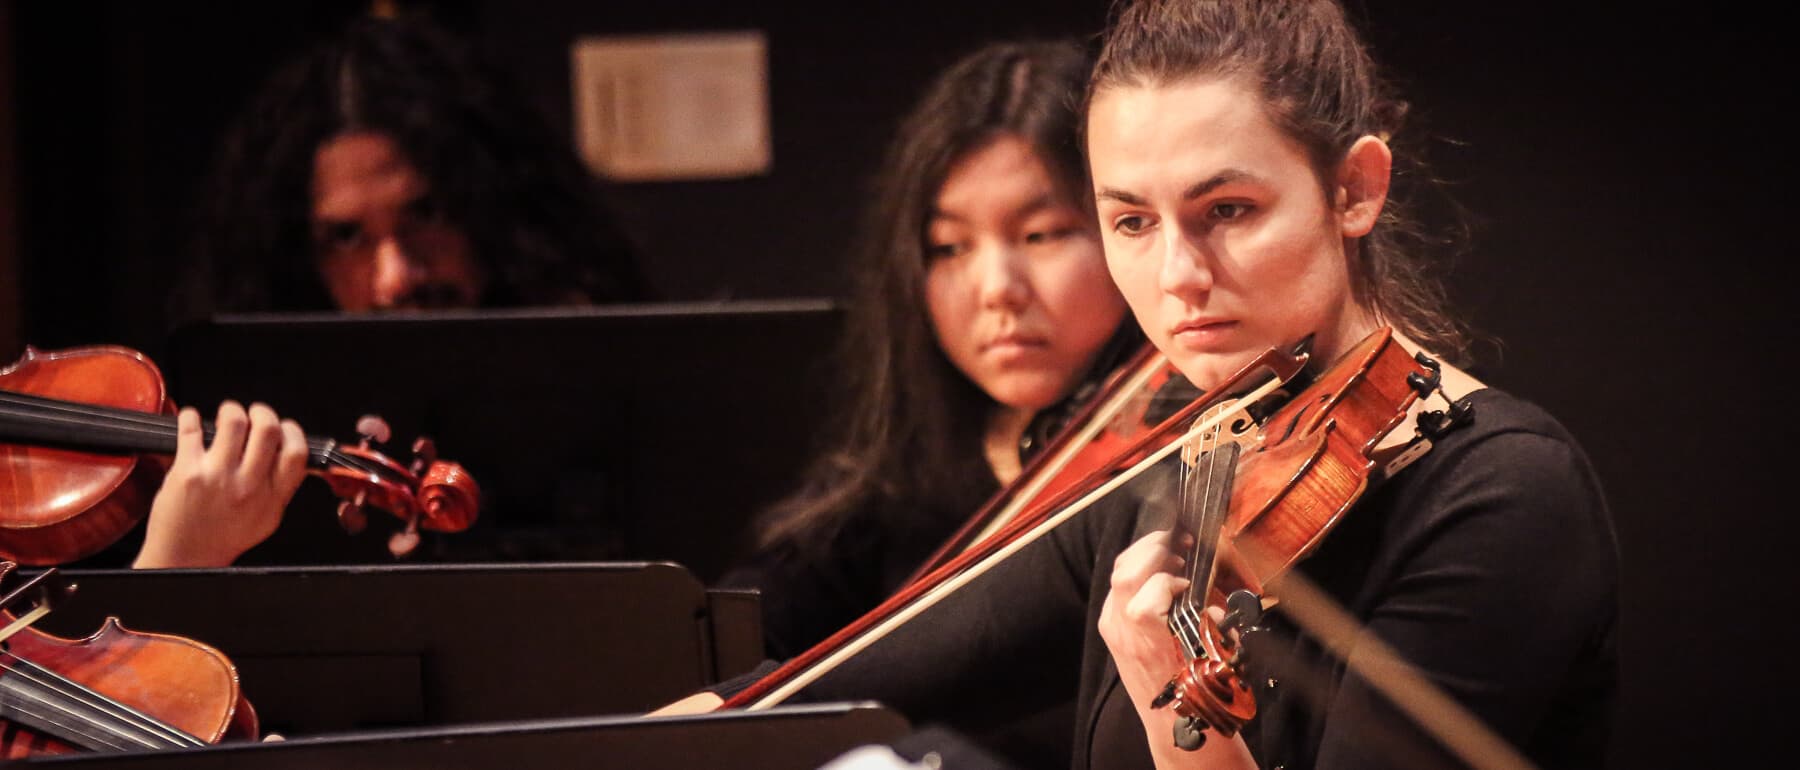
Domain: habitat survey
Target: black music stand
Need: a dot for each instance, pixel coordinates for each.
(325, 649)
(621, 432)
(793, 737)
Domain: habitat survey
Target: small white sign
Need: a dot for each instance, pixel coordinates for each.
(673, 107)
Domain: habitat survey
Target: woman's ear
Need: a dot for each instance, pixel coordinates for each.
(1362, 185)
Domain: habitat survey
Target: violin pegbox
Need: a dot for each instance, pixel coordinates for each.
(407, 539)
(372, 429)
(427, 493)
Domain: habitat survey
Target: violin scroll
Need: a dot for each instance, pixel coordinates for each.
(1209, 691)
(430, 493)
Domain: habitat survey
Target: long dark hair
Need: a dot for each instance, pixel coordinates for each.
(495, 168)
(1322, 88)
(913, 423)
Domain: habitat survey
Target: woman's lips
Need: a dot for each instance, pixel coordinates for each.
(1014, 346)
(1203, 334)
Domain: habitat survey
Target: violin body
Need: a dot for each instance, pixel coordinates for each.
(1312, 460)
(177, 682)
(56, 504)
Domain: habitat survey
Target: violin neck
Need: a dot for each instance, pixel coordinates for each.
(38, 421)
(1203, 507)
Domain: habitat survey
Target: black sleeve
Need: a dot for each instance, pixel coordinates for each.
(810, 593)
(1007, 644)
(1500, 586)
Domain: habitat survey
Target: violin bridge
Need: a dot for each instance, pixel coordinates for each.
(1226, 422)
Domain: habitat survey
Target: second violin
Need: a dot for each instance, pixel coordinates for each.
(116, 690)
(75, 426)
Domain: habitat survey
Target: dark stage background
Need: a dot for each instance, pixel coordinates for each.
(1624, 168)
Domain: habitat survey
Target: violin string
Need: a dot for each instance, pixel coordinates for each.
(1211, 511)
(1203, 508)
(78, 693)
(1187, 630)
(51, 724)
(94, 419)
(146, 424)
(74, 692)
(1180, 618)
(42, 405)
(1208, 442)
(1208, 445)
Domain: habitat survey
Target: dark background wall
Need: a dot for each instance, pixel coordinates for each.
(1631, 197)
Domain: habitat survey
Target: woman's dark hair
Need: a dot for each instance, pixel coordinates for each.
(495, 168)
(1319, 84)
(913, 423)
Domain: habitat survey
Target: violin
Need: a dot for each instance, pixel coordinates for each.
(116, 690)
(84, 438)
(1260, 498)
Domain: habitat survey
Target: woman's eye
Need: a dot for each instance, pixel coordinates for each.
(1049, 234)
(942, 250)
(1130, 225)
(340, 235)
(1230, 210)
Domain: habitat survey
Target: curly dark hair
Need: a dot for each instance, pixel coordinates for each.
(912, 428)
(496, 169)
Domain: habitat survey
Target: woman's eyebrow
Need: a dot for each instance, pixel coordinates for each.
(1216, 181)
(1193, 191)
(1115, 194)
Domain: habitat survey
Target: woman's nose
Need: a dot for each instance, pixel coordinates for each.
(1185, 271)
(1004, 283)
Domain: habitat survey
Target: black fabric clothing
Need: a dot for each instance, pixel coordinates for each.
(1490, 565)
(809, 591)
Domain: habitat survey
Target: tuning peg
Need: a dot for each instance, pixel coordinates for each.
(350, 514)
(424, 454)
(403, 542)
(372, 428)
(1245, 610)
(1190, 734)
(1165, 697)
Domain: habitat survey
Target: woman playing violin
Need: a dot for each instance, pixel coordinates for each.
(1241, 166)
(983, 309)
